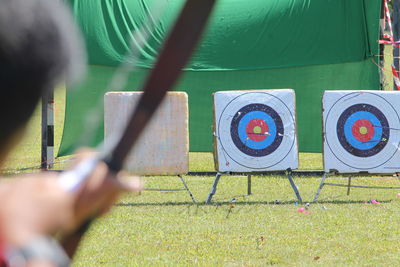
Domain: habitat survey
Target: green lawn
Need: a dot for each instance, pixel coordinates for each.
(156, 229)
(166, 229)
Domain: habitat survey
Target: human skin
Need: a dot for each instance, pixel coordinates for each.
(35, 205)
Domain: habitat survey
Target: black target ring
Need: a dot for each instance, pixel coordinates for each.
(277, 125)
(382, 126)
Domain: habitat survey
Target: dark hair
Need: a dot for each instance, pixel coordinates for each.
(39, 46)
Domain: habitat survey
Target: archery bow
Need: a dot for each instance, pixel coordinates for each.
(173, 57)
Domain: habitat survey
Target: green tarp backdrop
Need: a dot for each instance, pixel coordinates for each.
(307, 45)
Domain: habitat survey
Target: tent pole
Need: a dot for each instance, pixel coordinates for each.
(382, 47)
(396, 34)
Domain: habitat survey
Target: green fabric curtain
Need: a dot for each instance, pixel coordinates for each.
(307, 45)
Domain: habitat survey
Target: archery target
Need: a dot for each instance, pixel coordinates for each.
(255, 130)
(361, 131)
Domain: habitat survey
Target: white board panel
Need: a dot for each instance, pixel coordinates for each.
(361, 131)
(255, 130)
(163, 148)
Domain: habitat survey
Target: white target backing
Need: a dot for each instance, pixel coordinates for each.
(255, 130)
(361, 131)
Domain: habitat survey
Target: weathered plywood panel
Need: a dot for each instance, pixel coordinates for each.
(163, 148)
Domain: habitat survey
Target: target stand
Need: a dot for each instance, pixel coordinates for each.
(361, 135)
(349, 184)
(254, 133)
(249, 192)
(185, 188)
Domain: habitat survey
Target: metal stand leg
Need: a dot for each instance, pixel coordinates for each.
(248, 185)
(214, 188)
(295, 189)
(348, 186)
(321, 185)
(187, 188)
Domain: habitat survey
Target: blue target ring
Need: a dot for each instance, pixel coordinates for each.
(366, 116)
(243, 135)
(243, 141)
(378, 123)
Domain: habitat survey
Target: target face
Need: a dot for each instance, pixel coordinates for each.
(363, 130)
(359, 131)
(255, 130)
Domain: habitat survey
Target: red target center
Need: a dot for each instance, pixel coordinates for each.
(363, 130)
(257, 130)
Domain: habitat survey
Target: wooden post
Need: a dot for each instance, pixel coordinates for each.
(248, 185)
(348, 186)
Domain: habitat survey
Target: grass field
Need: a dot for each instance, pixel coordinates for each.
(156, 229)
(167, 229)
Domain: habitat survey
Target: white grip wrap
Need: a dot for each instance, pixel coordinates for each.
(72, 180)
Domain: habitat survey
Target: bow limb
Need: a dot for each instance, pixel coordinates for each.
(173, 57)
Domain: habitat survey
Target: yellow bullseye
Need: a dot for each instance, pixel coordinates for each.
(257, 129)
(363, 130)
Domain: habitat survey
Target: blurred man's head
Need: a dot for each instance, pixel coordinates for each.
(39, 47)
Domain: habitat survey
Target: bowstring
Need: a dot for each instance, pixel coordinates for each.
(119, 80)
(72, 179)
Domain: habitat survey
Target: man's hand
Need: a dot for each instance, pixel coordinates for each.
(35, 205)
(99, 192)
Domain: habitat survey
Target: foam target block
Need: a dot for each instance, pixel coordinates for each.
(163, 147)
(361, 131)
(255, 131)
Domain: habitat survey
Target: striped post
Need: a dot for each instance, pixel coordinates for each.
(47, 158)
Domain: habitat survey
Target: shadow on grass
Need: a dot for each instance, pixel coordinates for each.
(242, 203)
